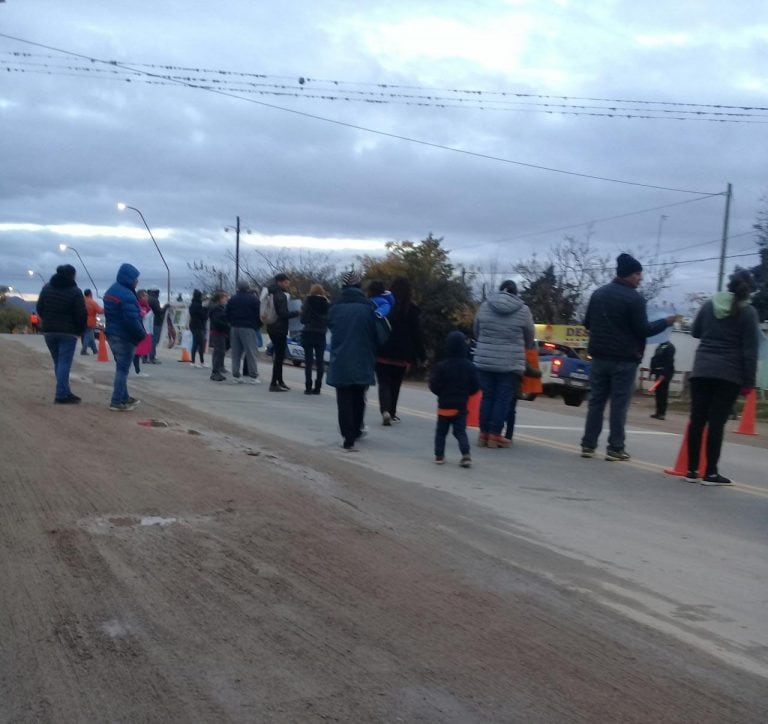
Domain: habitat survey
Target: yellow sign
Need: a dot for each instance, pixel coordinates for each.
(574, 335)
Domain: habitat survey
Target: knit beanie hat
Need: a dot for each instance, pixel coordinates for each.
(67, 271)
(626, 265)
(351, 278)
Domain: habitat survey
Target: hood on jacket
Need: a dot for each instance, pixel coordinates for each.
(64, 277)
(504, 303)
(127, 275)
(456, 345)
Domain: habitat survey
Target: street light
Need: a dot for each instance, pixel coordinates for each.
(122, 207)
(64, 247)
(236, 229)
(32, 273)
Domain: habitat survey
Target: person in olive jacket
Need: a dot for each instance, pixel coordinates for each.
(61, 306)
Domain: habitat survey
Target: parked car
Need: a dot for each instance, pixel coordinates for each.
(564, 372)
(294, 352)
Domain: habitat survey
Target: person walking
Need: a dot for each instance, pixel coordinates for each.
(219, 332)
(662, 370)
(61, 307)
(278, 330)
(124, 330)
(92, 308)
(725, 365)
(198, 320)
(144, 347)
(404, 348)
(618, 327)
(158, 310)
(503, 329)
(314, 317)
(243, 311)
(352, 322)
(453, 379)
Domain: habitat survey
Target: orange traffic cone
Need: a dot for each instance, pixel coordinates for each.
(185, 355)
(748, 415)
(681, 464)
(473, 410)
(103, 354)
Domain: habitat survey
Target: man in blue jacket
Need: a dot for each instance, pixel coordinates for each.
(354, 341)
(618, 327)
(243, 316)
(124, 329)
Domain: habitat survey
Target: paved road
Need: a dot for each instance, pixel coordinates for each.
(685, 559)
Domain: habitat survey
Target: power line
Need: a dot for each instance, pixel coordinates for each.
(366, 129)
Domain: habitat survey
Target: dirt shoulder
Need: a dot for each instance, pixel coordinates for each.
(203, 572)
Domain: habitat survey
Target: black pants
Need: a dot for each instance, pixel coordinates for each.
(711, 403)
(219, 349)
(314, 351)
(389, 379)
(279, 346)
(350, 401)
(459, 424)
(198, 344)
(662, 396)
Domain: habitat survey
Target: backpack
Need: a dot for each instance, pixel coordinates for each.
(268, 312)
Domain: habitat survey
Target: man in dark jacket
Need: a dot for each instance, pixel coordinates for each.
(453, 379)
(662, 369)
(354, 342)
(61, 307)
(618, 327)
(243, 317)
(278, 330)
(124, 330)
(158, 312)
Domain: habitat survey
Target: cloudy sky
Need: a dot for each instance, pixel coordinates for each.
(338, 126)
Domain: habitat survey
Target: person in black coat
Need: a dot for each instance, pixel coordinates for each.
(198, 320)
(278, 330)
(61, 306)
(404, 348)
(662, 370)
(454, 379)
(314, 317)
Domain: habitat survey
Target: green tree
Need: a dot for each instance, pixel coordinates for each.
(443, 296)
(760, 272)
(550, 301)
(12, 318)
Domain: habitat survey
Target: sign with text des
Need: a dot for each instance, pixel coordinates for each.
(574, 335)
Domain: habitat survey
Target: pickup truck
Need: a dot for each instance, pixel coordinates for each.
(564, 372)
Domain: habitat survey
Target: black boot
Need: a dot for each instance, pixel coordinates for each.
(316, 390)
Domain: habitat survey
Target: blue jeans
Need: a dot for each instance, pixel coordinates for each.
(498, 388)
(156, 334)
(62, 348)
(89, 340)
(122, 351)
(615, 381)
(459, 424)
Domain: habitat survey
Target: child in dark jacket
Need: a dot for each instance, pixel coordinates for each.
(453, 380)
(219, 331)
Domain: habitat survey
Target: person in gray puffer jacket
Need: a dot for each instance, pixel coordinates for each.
(503, 329)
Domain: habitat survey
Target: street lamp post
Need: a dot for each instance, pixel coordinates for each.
(32, 273)
(236, 229)
(64, 247)
(122, 207)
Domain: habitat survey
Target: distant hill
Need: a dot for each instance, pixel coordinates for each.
(19, 302)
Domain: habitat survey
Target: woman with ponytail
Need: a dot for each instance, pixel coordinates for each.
(725, 365)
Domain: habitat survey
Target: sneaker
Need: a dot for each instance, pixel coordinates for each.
(276, 388)
(692, 476)
(142, 374)
(283, 386)
(350, 448)
(203, 365)
(237, 379)
(466, 461)
(70, 400)
(439, 460)
(131, 403)
(363, 432)
(715, 479)
(253, 381)
(616, 456)
(308, 391)
(218, 378)
(587, 452)
(122, 407)
(396, 419)
(386, 419)
(658, 417)
(196, 365)
(155, 362)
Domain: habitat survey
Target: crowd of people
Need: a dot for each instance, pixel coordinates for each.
(376, 337)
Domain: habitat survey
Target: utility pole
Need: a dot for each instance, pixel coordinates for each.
(237, 251)
(721, 270)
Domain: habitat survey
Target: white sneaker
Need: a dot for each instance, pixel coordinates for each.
(196, 365)
(253, 380)
(142, 374)
(202, 364)
(237, 380)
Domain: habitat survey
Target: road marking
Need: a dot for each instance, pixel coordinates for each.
(568, 447)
